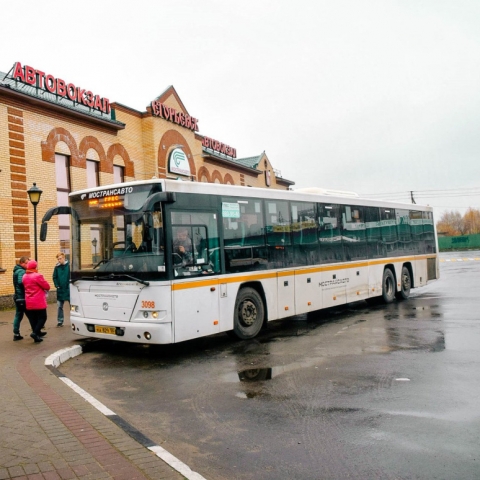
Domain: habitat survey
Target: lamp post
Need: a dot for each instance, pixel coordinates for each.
(94, 243)
(34, 193)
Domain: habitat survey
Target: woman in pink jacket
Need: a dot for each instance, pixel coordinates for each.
(36, 288)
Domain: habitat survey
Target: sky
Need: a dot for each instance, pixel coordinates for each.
(377, 97)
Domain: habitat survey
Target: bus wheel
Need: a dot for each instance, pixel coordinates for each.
(406, 284)
(388, 286)
(249, 313)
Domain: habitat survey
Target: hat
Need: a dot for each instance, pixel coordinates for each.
(32, 265)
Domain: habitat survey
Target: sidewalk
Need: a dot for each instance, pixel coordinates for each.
(47, 431)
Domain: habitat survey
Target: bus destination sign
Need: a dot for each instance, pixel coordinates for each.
(113, 201)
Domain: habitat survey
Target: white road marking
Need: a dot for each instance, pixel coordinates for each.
(61, 356)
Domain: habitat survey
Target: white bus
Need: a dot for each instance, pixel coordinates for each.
(250, 256)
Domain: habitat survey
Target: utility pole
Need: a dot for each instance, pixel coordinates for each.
(411, 196)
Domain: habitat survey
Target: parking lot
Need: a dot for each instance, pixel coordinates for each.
(389, 391)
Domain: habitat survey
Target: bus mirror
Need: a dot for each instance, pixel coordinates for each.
(43, 231)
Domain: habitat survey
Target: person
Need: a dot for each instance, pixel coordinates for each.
(36, 289)
(19, 296)
(182, 245)
(130, 245)
(61, 280)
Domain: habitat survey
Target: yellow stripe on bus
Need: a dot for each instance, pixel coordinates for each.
(195, 283)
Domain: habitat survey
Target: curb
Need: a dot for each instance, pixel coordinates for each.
(53, 361)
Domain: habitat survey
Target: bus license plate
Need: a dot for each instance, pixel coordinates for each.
(107, 330)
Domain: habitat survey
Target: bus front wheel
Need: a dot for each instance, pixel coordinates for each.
(405, 284)
(249, 314)
(388, 286)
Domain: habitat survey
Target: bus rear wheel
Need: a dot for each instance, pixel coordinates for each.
(249, 314)
(405, 284)
(388, 286)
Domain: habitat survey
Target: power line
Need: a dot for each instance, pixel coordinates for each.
(465, 192)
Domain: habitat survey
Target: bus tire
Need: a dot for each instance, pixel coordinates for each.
(249, 314)
(405, 284)
(388, 286)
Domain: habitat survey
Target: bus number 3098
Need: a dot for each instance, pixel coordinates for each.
(148, 304)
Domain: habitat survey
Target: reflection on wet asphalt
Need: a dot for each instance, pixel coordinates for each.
(380, 391)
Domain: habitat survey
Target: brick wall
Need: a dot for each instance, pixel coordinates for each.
(30, 135)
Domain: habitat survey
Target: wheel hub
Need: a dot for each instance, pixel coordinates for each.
(248, 313)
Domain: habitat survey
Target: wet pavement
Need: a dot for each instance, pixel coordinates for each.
(47, 431)
(360, 392)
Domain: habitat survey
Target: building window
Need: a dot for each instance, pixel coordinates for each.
(62, 174)
(93, 179)
(268, 180)
(118, 174)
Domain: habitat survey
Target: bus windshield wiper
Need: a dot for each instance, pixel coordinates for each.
(111, 276)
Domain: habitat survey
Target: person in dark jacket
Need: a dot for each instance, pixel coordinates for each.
(36, 290)
(19, 296)
(61, 280)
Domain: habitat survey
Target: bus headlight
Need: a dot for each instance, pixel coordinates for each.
(150, 316)
(74, 308)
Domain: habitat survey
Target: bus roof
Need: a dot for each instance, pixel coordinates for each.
(305, 195)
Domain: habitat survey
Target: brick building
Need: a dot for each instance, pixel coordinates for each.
(64, 138)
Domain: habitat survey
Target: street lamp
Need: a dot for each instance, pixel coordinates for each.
(94, 243)
(34, 194)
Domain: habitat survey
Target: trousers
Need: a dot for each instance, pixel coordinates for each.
(19, 311)
(37, 319)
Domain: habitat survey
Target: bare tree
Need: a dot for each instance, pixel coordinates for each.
(472, 221)
(451, 223)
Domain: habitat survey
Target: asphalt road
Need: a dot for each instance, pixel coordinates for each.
(390, 392)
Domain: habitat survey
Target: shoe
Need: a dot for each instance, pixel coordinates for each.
(17, 336)
(36, 338)
(59, 324)
(42, 334)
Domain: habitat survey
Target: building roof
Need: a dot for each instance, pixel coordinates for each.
(37, 94)
(250, 162)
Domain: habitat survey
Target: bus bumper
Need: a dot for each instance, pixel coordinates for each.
(134, 332)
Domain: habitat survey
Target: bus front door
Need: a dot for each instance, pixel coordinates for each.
(196, 308)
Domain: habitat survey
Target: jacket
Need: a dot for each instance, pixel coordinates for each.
(18, 273)
(61, 280)
(35, 290)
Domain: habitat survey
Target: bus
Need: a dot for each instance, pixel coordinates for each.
(249, 256)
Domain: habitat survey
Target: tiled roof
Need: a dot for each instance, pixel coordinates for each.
(251, 162)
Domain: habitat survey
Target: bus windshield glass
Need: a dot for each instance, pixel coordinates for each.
(118, 231)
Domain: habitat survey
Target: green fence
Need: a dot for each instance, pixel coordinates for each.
(462, 242)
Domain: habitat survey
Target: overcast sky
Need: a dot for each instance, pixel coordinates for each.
(378, 97)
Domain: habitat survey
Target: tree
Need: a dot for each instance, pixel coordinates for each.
(451, 223)
(472, 221)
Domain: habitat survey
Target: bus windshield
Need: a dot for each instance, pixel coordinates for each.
(118, 234)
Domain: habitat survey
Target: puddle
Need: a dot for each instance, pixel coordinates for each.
(255, 375)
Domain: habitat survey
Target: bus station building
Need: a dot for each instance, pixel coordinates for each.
(63, 137)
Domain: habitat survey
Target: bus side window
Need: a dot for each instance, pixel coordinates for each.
(329, 233)
(243, 227)
(416, 229)
(373, 232)
(389, 237)
(304, 233)
(353, 232)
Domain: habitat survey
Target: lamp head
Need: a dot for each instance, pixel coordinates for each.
(34, 193)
